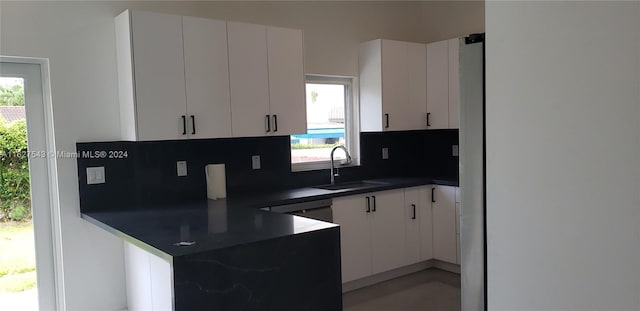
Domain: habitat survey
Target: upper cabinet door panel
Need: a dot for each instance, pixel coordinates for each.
(416, 111)
(395, 85)
(286, 80)
(249, 78)
(438, 85)
(159, 75)
(454, 83)
(207, 77)
(370, 79)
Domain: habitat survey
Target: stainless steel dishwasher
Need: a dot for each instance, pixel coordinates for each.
(319, 210)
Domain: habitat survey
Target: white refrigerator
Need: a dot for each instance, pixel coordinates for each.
(472, 173)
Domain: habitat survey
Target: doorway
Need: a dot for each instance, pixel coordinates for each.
(32, 204)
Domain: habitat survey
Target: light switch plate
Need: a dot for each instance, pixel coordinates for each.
(181, 167)
(385, 153)
(455, 150)
(255, 162)
(95, 175)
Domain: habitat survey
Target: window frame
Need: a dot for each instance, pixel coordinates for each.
(352, 121)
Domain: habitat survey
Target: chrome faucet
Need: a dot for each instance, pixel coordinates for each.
(333, 175)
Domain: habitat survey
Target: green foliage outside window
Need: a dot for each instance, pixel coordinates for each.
(15, 201)
(12, 96)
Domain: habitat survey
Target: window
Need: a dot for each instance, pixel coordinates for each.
(331, 121)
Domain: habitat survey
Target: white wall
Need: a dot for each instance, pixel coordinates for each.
(78, 39)
(443, 20)
(563, 155)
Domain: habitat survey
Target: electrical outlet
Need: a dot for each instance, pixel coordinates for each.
(385, 153)
(181, 168)
(255, 162)
(95, 175)
(455, 150)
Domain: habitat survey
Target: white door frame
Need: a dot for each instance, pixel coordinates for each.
(43, 176)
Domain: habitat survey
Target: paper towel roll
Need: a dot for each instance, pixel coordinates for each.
(216, 181)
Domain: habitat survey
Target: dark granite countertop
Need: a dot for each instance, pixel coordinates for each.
(209, 225)
(306, 194)
(234, 221)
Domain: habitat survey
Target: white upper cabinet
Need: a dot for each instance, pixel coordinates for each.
(286, 81)
(392, 85)
(454, 83)
(149, 48)
(206, 77)
(438, 85)
(395, 85)
(186, 77)
(415, 115)
(249, 79)
(267, 80)
(443, 84)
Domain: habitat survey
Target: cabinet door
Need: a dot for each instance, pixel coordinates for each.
(416, 110)
(444, 224)
(458, 211)
(458, 233)
(370, 78)
(355, 239)
(412, 220)
(159, 75)
(387, 230)
(207, 77)
(286, 81)
(438, 85)
(426, 224)
(454, 82)
(248, 79)
(395, 85)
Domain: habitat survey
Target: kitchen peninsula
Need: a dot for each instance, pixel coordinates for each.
(213, 255)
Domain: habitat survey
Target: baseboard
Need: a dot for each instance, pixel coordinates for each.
(392, 274)
(446, 266)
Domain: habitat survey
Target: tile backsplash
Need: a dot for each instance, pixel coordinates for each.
(147, 175)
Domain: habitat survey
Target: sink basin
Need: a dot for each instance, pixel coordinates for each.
(352, 185)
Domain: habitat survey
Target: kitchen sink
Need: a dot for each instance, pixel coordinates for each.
(350, 185)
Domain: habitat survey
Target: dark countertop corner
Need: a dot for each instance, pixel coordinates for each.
(210, 225)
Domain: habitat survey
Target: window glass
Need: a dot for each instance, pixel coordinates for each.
(329, 123)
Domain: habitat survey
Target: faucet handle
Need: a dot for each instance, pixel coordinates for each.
(337, 173)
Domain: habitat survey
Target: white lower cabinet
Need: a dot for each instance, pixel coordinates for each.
(387, 234)
(149, 280)
(458, 214)
(382, 231)
(445, 246)
(371, 233)
(418, 224)
(355, 238)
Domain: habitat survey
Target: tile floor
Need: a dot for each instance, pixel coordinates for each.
(427, 290)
